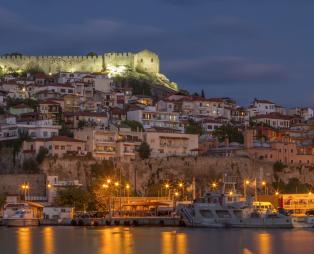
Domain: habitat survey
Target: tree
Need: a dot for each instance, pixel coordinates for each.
(15, 101)
(144, 150)
(203, 93)
(134, 125)
(13, 54)
(2, 201)
(230, 132)
(33, 70)
(74, 197)
(30, 166)
(65, 131)
(91, 54)
(194, 128)
(41, 154)
(278, 166)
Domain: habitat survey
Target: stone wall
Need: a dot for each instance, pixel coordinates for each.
(144, 60)
(10, 184)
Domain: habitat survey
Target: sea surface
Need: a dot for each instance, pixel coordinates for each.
(153, 240)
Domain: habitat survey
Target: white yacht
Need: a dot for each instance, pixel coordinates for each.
(22, 214)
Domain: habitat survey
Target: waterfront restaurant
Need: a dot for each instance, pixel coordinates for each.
(298, 203)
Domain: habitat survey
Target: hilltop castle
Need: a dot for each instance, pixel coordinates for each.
(143, 61)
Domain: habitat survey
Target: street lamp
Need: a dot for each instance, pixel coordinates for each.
(25, 188)
(276, 193)
(108, 180)
(167, 186)
(265, 187)
(246, 183)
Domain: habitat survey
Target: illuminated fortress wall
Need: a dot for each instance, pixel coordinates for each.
(144, 60)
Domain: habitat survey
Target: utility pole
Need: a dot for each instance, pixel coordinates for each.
(193, 188)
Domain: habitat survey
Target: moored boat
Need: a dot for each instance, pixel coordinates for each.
(22, 214)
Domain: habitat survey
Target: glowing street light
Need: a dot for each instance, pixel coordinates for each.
(127, 186)
(230, 193)
(167, 186)
(247, 182)
(180, 185)
(108, 180)
(105, 186)
(49, 186)
(176, 194)
(276, 193)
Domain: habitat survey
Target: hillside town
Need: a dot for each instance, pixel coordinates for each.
(109, 119)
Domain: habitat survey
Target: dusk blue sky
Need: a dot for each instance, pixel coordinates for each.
(237, 48)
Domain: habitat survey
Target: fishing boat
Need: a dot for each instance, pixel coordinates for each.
(219, 209)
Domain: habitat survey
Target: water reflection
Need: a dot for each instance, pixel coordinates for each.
(173, 243)
(48, 239)
(24, 241)
(116, 240)
(264, 243)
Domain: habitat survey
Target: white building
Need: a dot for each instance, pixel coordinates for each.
(58, 213)
(39, 128)
(54, 185)
(151, 118)
(110, 144)
(306, 113)
(274, 120)
(8, 128)
(261, 107)
(172, 144)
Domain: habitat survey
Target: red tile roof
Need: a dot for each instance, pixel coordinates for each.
(274, 116)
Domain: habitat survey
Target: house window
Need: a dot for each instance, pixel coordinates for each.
(56, 147)
(62, 147)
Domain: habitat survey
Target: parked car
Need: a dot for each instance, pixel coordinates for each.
(310, 212)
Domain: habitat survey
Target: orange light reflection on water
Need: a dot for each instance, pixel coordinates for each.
(173, 243)
(48, 238)
(116, 240)
(24, 241)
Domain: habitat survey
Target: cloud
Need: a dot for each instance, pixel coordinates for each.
(226, 70)
(93, 34)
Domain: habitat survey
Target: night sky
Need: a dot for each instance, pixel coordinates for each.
(237, 48)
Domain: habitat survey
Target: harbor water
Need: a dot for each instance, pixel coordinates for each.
(153, 240)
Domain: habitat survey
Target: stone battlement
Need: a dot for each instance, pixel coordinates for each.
(144, 60)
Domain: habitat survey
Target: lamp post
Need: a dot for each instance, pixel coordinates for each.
(181, 186)
(245, 184)
(265, 187)
(127, 187)
(167, 186)
(25, 189)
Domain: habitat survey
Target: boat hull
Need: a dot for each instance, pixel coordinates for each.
(21, 222)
